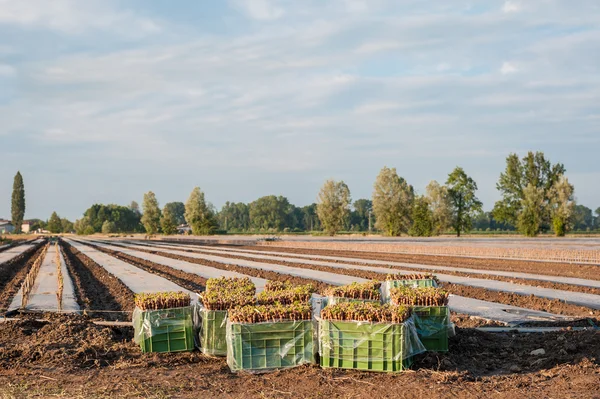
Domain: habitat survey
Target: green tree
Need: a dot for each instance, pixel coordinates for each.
(177, 209)
(82, 225)
(199, 215)
(18, 202)
(109, 227)
(439, 203)
(67, 226)
(562, 205)
(531, 211)
(168, 221)
(309, 220)
(126, 219)
(359, 217)
(392, 202)
(271, 213)
(463, 202)
(54, 224)
(597, 219)
(333, 206)
(234, 217)
(89, 230)
(533, 169)
(151, 216)
(422, 217)
(583, 218)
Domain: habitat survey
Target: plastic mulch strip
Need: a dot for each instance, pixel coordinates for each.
(433, 323)
(167, 330)
(384, 347)
(267, 346)
(387, 286)
(213, 332)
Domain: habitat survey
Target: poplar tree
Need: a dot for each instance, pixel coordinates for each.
(18, 202)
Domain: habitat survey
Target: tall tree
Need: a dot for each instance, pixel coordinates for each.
(561, 205)
(439, 203)
(67, 225)
(422, 217)
(168, 221)
(18, 202)
(333, 206)
(199, 215)
(135, 207)
(151, 216)
(392, 202)
(109, 227)
(177, 209)
(310, 220)
(271, 213)
(531, 212)
(533, 169)
(597, 219)
(234, 216)
(583, 218)
(54, 224)
(463, 201)
(359, 217)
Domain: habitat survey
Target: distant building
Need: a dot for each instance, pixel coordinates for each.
(26, 227)
(6, 227)
(184, 229)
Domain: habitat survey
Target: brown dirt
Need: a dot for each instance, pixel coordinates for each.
(13, 273)
(534, 283)
(192, 282)
(529, 302)
(590, 272)
(98, 292)
(69, 357)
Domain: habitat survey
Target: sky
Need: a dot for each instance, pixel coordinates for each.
(104, 100)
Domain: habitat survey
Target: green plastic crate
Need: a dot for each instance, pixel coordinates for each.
(267, 346)
(387, 286)
(168, 330)
(363, 346)
(432, 324)
(213, 332)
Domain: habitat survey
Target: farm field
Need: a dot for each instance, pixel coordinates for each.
(73, 355)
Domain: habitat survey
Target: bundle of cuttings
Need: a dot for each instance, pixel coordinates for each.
(367, 312)
(162, 300)
(226, 293)
(416, 276)
(271, 313)
(285, 294)
(421, 296)
(368, 291)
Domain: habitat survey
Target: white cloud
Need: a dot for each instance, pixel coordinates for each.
(73, 16)
(511, 6)
(7, 70)
(507, 68)
(260, 9)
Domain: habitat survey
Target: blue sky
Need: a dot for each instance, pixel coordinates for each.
(103, 100)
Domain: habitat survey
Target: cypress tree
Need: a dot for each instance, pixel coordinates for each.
(18, 202)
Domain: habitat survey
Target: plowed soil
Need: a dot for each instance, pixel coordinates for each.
(590, 272)
(70, 357)
(98, 292)
(13, 273)
(529, 302)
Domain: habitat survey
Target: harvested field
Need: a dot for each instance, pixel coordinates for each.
(97, 291)
(13, 273)
(69, 357)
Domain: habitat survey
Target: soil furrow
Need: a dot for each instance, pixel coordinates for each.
(13, 273)
(528, 302)
(98, 292)
(522, 281)
(590, 272)
(189, 281)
